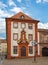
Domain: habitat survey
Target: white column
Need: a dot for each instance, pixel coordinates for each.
(38, 49)
(38, 37)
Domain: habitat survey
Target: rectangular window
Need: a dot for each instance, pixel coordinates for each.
(23, 25)
(30, 37)
(30, 25)
(15, 25)
(15, 49)
(15, 36)
(30, 50)
(41, 38)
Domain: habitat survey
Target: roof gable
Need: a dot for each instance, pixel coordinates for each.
(25, 18)
(18, 15)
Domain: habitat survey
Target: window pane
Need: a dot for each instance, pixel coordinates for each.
(30, 50)
(30, 26)
(15, 49)
(22, 17)
(15, 36)
(23, 25)
(30, 37)
(15, 25)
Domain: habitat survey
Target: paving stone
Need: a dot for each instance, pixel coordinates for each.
(28, 61)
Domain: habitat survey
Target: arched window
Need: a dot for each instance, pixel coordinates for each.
(22, 17)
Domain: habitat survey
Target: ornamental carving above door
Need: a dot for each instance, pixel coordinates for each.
(23, 38)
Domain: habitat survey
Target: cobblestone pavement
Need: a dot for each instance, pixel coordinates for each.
(1, 60)
(28, 61)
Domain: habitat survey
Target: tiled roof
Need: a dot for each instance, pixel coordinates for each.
(3, 41)
(20, 14)
(43, 30)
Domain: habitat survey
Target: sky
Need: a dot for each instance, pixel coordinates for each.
(36, 9)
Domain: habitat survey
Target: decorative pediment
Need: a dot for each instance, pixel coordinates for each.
(23, 37)
(21, 15)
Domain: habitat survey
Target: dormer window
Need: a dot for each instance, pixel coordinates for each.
(22, 17)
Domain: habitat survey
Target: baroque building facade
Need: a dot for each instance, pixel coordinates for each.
(21, 30)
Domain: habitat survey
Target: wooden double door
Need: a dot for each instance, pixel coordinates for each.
(23, 51)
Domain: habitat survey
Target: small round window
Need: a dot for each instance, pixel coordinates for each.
(22, 17)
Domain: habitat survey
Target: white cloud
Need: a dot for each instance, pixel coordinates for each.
(19, 0)
(38, 1)
(11, 3)
(2, 4)
(43, 25)
(41, 1)
(2, 27)
(4, 13)
(45, 0)
(16, 9)
(2, 20)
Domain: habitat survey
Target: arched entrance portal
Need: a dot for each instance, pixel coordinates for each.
(45, 51)
(23, 45)
(23, 51)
